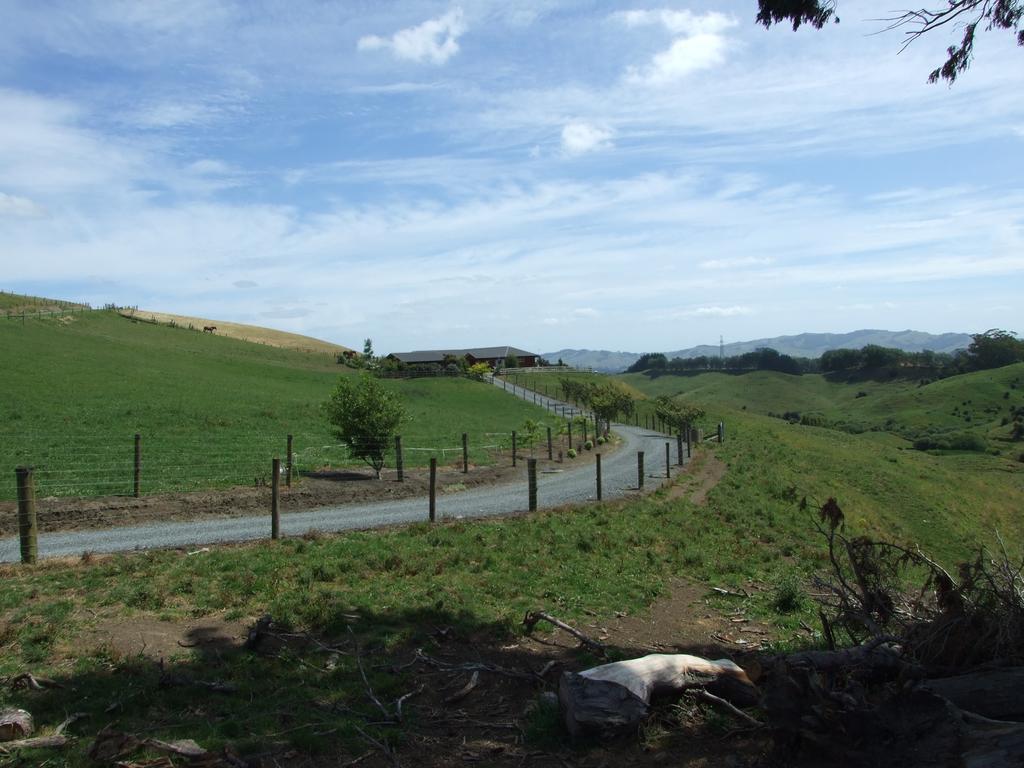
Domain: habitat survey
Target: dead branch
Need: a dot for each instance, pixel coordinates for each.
(730, 593)
(733, 710)
(474, 666)
(465, 690)
(180, 680)
(532, 617)
(384, 748)
(33, 683)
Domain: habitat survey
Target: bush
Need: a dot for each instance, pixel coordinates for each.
(788, 595)
(601, 440)
(956, 441)
(571, 453)
(588, 445)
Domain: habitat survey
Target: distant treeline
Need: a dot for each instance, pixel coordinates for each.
(992, 349)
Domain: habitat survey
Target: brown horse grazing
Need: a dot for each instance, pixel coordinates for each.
(209, 328)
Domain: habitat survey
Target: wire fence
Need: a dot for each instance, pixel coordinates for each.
(87, 464)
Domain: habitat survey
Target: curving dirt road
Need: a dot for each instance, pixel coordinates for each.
(555, 488)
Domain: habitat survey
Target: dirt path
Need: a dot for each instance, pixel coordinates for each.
(703, 474)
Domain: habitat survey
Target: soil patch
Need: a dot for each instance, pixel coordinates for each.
(703, 474)
(156, 639)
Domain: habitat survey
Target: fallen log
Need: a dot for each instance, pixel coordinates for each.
(615, 698)
(15, 724)
(993, 693)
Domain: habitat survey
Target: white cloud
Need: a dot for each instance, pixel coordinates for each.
(716, 311)
(170, 114)
(20, 207)
(579, 138)
(700, 44)
(739, 261)
(434, 41)
(679, 22)
(585, 312)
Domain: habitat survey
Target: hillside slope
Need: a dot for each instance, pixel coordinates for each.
(243, 332)
(212, 411)
(982, 402)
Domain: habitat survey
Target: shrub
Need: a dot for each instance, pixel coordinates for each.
(788, 595)
(601, 440)
(956, 441)
(588, 445)
(571, 453)
(478, 371)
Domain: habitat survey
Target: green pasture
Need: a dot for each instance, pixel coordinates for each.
(212, 411)
(394, 588)
(982, 402)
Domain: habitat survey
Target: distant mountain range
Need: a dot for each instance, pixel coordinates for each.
(801, 345)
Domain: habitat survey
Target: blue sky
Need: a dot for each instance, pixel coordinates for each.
(544, 174)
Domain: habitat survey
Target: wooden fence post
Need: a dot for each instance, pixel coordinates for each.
(275, 499)
(398, 458)
(721, 432)
(433, 489)
(137, 479)
(28, 533)
(570, 432)
(689, 442)
(531, 471)
(551, 448)
(679, 447)
(288, 464)
(668, 459)
(598, 477)
(585, 422)
(465, 453)
(640, 470)
(513, 447)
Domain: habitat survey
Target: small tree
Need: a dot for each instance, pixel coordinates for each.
(365, 417)
(478, 371)
(609, 400)
(368, 349)
(511, 361)
(676, 414)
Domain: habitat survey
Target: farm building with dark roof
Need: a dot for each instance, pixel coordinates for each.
(493, 356)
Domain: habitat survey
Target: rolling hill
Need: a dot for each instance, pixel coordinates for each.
(800, 345)
(243, 332)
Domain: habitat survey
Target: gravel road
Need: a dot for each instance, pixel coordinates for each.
(619, 473)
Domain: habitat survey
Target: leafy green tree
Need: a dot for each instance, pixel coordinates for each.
(649, 361)
(368, 349)
(676, 413)
(994, 349)
(365, 417)
(511, 361)
(609, 400)
(966, 14)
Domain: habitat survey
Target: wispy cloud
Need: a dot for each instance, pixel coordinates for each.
(737, 262)
(434, 41)
(19, 207)
(579, 138)
(699, 43)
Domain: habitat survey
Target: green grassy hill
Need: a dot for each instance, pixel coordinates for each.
(983, 402)
(212, 411)
(16, 304)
